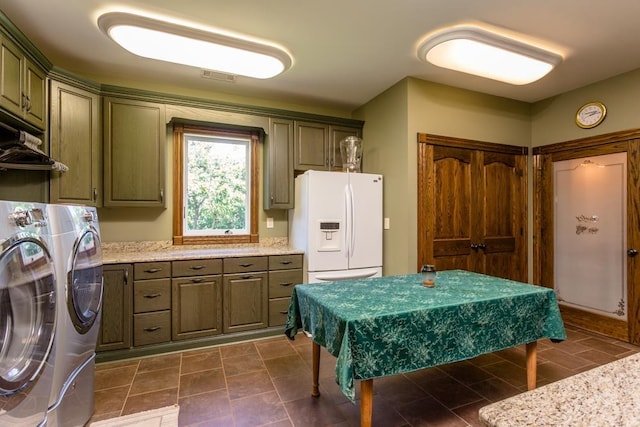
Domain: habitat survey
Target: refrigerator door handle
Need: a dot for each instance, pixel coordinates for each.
(352, 225)
(348, 219)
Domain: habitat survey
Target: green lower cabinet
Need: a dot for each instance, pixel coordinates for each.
(246, 301)
(196, 307)
(115, 325)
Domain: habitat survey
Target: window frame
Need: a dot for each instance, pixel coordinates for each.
(179, 129)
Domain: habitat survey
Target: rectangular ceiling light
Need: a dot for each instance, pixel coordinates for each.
(170, 42)
(476, 51)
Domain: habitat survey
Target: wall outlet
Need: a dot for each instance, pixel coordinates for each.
(387, 224)
(269, 222)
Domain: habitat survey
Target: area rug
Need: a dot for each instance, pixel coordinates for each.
(162, 417)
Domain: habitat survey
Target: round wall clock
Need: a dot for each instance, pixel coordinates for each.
(591, 115)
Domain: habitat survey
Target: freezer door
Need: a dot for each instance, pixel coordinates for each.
(365, 231)
(327, 221)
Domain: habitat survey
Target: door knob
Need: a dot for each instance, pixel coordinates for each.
(632, 252)
(474, 246)
(482, 246)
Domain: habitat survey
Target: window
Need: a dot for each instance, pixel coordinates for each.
(215, 185)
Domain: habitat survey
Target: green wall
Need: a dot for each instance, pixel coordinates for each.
(392, 122)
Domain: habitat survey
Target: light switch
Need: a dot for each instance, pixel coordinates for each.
(387, 224)
(269, 222)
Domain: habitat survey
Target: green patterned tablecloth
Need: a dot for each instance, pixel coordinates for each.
(390, 325)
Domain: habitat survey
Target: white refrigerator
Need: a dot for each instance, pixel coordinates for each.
(337, 222)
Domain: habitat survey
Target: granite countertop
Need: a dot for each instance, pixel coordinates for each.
(604, 396)
(125, 252)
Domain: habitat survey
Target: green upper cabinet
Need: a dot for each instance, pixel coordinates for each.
(134, 153)
(317, 145)
(22, 85)
(278, 163)
(311, 146)
(337, 134)
(76, 141)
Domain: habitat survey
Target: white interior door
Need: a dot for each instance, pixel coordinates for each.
(590, 260)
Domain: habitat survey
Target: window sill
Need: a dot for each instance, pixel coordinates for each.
(211, 240)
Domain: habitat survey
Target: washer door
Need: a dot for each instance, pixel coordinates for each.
(84, 281)
(27, 311)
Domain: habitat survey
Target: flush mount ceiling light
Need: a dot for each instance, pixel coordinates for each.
(170, 42)
(476, 51)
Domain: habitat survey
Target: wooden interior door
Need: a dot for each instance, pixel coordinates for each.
(472, 206)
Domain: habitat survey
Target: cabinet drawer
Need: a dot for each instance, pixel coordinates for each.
(152, 270)
(196, 267)
(278, 309)
(281, 283)
(151, 328)
(284, 262)
(151, 295)
(241, 265)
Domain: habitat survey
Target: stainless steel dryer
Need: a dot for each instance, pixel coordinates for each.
(27, 313)
(76, 241)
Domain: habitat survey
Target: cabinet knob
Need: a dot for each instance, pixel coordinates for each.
(632, 252)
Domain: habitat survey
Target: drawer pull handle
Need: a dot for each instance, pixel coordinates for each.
(196, 280)
(153, 329)
(285, 262)
(284, 312)
(245, 265)
(246, 277)
(197, 267)
(151, 296)
(286, 284)
(152, 270)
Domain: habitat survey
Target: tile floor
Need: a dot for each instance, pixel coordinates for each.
(268, 383)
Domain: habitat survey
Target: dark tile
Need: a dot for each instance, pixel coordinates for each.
(429, 412)
(287, 365)
(117, 364)
(469, 413)
(494, 389)
(200, 382)
(241, 365)
(314, 411)
(604, 346)
(110, 400)
(466, 372)
(567, 360)
(200, 361)
(115, 377)
(553, 372)
(160, 362)
(292, 387)
(452, 393)
(205, 407)
(242, 349)
(275, 348)
(382, 414)
(152, 400)
(597, 356)
(397, 390)
(146, 382)
(514, 374)
(249, 384)
(258, 409)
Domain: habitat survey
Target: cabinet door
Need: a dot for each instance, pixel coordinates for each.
(11, 77)
(278, 162)
(311, 146)
(337, 134)
(473, 211)
(246, 302)
(75, 141)
(35, 95)
(196, 307)
(115, 325)
(134, 146)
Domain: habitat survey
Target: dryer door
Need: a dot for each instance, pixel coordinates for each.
(27, 311)
(84, 281)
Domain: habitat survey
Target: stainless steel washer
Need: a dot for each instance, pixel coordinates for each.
(27, 313)
(76, 240)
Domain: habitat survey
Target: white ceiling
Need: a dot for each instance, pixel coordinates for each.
(345, 52)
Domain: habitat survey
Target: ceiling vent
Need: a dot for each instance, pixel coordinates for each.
(215, 75)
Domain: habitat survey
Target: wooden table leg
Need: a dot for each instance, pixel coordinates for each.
(315, 392)
(366, 402)
(531, 365)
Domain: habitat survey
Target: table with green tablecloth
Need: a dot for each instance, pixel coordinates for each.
(392, 325)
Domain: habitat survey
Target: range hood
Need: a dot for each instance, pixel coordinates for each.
(21, 150)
